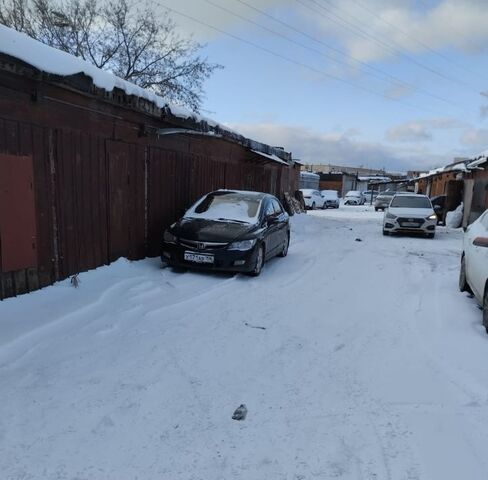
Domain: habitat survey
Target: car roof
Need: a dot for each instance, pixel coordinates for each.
(247, 193)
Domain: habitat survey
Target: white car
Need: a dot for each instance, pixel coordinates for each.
(312, 198)
(410, 214)
(354, 197)
(473, 275)
(331, 198)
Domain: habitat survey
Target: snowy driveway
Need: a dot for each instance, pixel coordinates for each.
(369, 365)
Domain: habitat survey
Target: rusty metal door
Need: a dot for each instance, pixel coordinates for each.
(18, 248)
(126, 176)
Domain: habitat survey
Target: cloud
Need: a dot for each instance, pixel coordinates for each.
(338, 148)
(402, 24)
(409, 132)
(422, 130)
(206, 13)
(475, 137)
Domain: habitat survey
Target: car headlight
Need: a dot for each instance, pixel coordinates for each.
(432, 217)
(169, 237)
(242, 245)
(390, 215)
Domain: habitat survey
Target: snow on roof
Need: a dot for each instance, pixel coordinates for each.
(270, 157)
(309, 175)
(57, 62)
(372, 178)
(477, 163)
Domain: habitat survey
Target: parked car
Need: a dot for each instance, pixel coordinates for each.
(473, 274)
(331, 198)
(367, 195)
(410, 213)
(382, 200)
(439, 204)
(228, 230)
(354, 197)
(312, 198)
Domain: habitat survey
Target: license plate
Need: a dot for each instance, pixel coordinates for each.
(410, 224)
(198, 257)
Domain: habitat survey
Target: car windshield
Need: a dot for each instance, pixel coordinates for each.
(329, 193)
(233, 206)
(353, 194)
(405, 201)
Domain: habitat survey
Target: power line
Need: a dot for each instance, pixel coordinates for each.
(291, 60)
(382, 73)
(334, 17)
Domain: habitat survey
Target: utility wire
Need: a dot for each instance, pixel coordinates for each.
(338, 19)
(291, 60)
(382, 73)
(406, 34)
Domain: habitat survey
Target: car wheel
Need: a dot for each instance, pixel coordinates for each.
(284, 251)
(485, 309)
(431, 235)
(386, 232)
(258, 266)
(376, 209)
(463, 284)
(313, 206)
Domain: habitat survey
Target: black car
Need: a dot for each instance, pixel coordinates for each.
(439, 204)
(228, 230)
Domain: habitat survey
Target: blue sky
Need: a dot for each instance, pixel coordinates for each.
(435, 50)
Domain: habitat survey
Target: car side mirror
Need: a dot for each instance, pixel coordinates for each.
(272, 220)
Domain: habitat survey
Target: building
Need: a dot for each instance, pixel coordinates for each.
(93, 168)
(461, 181)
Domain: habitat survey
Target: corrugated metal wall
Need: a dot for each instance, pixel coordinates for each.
(97, 199)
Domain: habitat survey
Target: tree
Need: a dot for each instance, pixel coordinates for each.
(133, 42)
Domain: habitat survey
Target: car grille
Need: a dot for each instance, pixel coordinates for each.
(202, 245)
(409, 222)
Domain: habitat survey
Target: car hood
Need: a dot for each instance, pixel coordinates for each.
(411, 212)
(205, 230)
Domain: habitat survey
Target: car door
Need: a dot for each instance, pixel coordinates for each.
(477, 255)
(319, 201)
(272, 228)
(282, 224)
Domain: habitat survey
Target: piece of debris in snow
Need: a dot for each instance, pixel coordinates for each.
(254, 326)
(358, 240)
(75, 281)
(240, 413)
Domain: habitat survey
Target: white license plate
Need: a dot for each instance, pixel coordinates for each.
(198, 257)
(410, 224)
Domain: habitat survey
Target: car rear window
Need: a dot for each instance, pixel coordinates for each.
(404, 201)
(228, 206)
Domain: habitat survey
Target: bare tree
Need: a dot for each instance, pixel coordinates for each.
(134, 43)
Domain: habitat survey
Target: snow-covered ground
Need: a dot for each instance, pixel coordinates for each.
(369, 365)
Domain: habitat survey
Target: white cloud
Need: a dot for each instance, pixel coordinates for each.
(449, 23)
(338, 148)
(207, 13)
(409, 132)
(422, 130)
(475, 137)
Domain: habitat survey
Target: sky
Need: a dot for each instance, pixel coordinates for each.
(394, 84)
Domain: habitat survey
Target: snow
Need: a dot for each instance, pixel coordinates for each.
(273, 157)
(476, 163)
(369, 365)
(454, 219)
(229, 207)
(52, 60)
